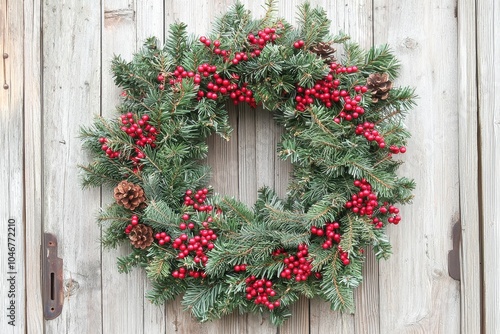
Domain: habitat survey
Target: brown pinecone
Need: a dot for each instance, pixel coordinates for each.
(141, 236)
(380, 85)
(325, 51)
(129, 195)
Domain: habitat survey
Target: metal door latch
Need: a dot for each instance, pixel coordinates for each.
(52, 278)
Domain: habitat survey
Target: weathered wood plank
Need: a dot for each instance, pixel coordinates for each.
(12, 258)
(33, 163)
(71, 96)
(247, 163)
(118, 37)
(469, 170)
(417, 295)
(488, 49)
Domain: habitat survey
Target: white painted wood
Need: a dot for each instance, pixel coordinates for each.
(12, 283)
(416, 293)
(33, 163)
(488, 48)
(71, 96)
(469, 169)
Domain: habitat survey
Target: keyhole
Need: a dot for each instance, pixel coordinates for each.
(52, 286)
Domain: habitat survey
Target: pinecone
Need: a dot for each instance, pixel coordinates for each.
(129, 195)
(379, 84)
(325, 51)
(141, 236)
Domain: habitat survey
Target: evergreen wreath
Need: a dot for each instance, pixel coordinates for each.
(343, 131)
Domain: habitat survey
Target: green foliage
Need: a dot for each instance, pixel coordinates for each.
(328, 155)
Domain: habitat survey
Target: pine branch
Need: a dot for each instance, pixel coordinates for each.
(175, 44)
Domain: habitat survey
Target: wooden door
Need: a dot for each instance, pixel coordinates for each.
(58, 72)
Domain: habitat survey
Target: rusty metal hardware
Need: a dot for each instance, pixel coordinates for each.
(454, 254)
(52, 278)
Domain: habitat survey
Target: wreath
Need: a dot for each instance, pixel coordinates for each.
(343, 133)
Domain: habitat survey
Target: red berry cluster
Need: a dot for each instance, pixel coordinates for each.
(323, 90)
(178, 75)
(240, 267)
(236, 58)
(264, 36)
(297, 265)
(279, 251)
(344, 256)
(134, 220)
(197, 199)
(391, 209)
(298, 44)
(368, 130)
(365, 201)
(197, 273)
(331, 231)
(395, 149)
(243, 94)
(327, 92)
(162, 238)
(239, 56)
(377, 222)
(197, 245)
(223, 86)
(351, 109)
(337, 68)
(216, 49)
(142, 132)
(207, 69)
(181, 273)
(205, 41)
(217, 85)
(261, 291)
(200, 240)
(109, 152)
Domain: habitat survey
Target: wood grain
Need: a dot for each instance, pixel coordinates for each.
(422, 241)
(488, 48)
(33, 163)
(469, 170)
(71, 58)
(12, 193)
